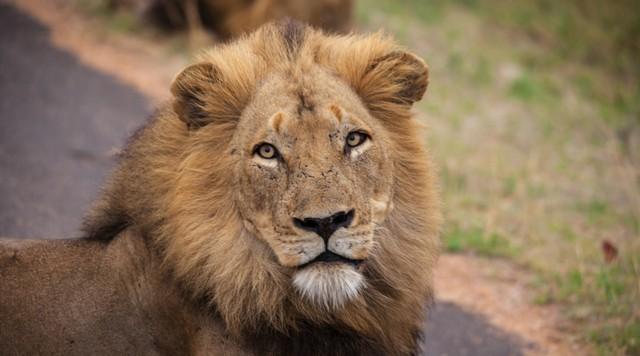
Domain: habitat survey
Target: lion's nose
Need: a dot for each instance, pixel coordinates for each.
(325, 227)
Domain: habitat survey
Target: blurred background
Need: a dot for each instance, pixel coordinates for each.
(533, 116)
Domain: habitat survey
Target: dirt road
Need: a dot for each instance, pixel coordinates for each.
(59, 124)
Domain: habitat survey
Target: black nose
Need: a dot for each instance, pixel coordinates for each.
(325, 227)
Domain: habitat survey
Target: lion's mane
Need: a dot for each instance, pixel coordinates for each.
(175, 185)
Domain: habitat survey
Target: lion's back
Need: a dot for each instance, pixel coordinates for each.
(61, 297)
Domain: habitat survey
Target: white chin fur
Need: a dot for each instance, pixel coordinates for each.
(329, 286)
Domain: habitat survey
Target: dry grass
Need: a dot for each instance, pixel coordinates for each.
(539, 150)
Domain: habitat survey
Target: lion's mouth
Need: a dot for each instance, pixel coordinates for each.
(330, 257)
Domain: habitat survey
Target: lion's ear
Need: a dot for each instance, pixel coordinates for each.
(215, 92)
(395, 78)
(192, 88)
(385, 78)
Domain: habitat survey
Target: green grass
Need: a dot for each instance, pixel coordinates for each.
(596, 211)
(527, 88)
(628, 335)
(533, 111)
(118, 21)
(476, 240)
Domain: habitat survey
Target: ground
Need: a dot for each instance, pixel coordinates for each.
(531, 175)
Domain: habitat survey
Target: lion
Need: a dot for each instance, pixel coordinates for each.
(231, 18)
(281, 203)
(329, 15)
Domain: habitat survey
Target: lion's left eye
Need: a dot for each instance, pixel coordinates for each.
(266, 151)
(355, 139)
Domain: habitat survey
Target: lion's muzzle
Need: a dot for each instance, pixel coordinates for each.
(326, 226)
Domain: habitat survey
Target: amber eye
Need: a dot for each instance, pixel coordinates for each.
(266, 151)
(355, 139)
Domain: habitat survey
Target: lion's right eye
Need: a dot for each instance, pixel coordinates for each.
(266, 151)
(355, 139)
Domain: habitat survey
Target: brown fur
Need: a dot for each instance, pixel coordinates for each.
(217, 225)
(329, 15)
(232, 18)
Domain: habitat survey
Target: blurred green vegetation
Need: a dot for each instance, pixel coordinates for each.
(478, 240)
(119, 21)
(590, 32)
(533, 112)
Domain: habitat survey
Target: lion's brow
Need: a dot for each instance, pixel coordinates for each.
(305, 103)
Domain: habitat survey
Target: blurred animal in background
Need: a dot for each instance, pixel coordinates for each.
(230, 18)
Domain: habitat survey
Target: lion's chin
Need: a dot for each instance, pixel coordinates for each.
(329, 285)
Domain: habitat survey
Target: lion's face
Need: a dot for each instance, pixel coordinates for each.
(315, 181)
(302, 174)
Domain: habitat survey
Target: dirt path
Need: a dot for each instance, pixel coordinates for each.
(60, 123)
(499, 291)
(467, 286)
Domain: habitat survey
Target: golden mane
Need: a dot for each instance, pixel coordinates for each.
(176, 186)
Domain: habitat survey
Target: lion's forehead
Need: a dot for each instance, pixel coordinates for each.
(305, 118)
(315, 91)
(310, 131)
